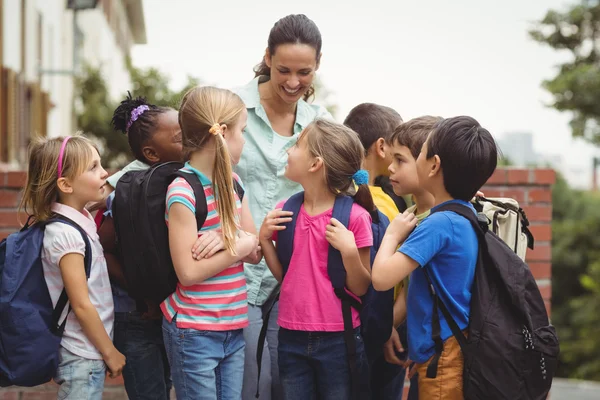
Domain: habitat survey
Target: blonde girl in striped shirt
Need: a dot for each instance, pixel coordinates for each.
(204, 318)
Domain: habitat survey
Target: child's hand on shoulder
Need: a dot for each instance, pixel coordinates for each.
(272, 223)
(339, 237)
(207, 244)
(401, 226)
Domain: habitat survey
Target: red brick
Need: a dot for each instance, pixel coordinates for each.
(39, 395)
(544, 177)
(541, 270)
(541, 233)
(16, 179)
(489, 192)
(114, 394)
(538, 213)
(9, 219)
(545, 290)
(498, 178)
(9, 198)
(12, 395)
(113, 381)
(518, 176)
(540, 196)
(517, 194)
(540, 253)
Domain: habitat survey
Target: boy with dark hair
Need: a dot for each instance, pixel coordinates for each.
(375, 124)
(458, 157)
(404, 146)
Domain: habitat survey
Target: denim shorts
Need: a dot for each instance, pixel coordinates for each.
(79, 378)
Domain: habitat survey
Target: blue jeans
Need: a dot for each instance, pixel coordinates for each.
(314, 365)
(79, 378)
(269, 386)
(387, 380)
(146, 374)
(205, 365)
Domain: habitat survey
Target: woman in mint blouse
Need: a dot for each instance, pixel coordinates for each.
(278, 111)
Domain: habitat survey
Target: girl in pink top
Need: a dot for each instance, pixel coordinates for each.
(313, 361)
(64, 175)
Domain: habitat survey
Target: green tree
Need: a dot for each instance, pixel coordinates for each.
(576, 280)
(155, 87)
(94, 111)
(576, 86)
(324, 97)
(94, 108)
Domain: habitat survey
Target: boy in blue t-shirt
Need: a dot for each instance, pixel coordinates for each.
(458, 157)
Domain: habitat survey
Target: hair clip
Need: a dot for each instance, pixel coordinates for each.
(361, 177)
(215, 129)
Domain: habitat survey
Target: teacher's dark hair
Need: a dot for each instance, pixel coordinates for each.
(292, 29)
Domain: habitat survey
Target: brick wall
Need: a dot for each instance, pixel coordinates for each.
(11, 184)
(532, 188)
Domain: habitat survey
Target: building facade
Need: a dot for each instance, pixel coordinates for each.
(43, 45)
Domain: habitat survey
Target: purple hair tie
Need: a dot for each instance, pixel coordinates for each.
(135, 114)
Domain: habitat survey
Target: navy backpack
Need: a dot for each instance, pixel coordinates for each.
(30, 333)
(376, 308)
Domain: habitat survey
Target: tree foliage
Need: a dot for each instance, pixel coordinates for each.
(94, 110)
(576, 214)
(94, 107)
(576, 280)
(576, 86)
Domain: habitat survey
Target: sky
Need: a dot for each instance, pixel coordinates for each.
(464, 57)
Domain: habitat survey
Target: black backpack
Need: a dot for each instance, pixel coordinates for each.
(142, 234)
(511, 351)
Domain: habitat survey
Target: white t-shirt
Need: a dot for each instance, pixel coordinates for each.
(59, 240)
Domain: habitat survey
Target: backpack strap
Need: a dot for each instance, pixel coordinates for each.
(267, 307)
(285, 247)
(337, 274)
(438, 303)
(238, 189)
(201, 205)
(285, 238)
(87, 262)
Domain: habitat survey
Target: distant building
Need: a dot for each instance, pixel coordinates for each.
(518, 148)
(41, 45)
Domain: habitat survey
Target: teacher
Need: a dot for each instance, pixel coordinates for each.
(278, 111)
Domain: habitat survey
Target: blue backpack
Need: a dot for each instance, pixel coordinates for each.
(376, 308)
(29, 332)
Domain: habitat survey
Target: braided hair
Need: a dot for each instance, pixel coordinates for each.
(140, 131)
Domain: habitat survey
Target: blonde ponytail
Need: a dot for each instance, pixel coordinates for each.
(224, 195)
(203, 110)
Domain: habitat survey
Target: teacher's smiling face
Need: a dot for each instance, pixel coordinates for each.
(293, 68)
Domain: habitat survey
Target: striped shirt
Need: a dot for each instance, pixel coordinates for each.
(219, 303)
